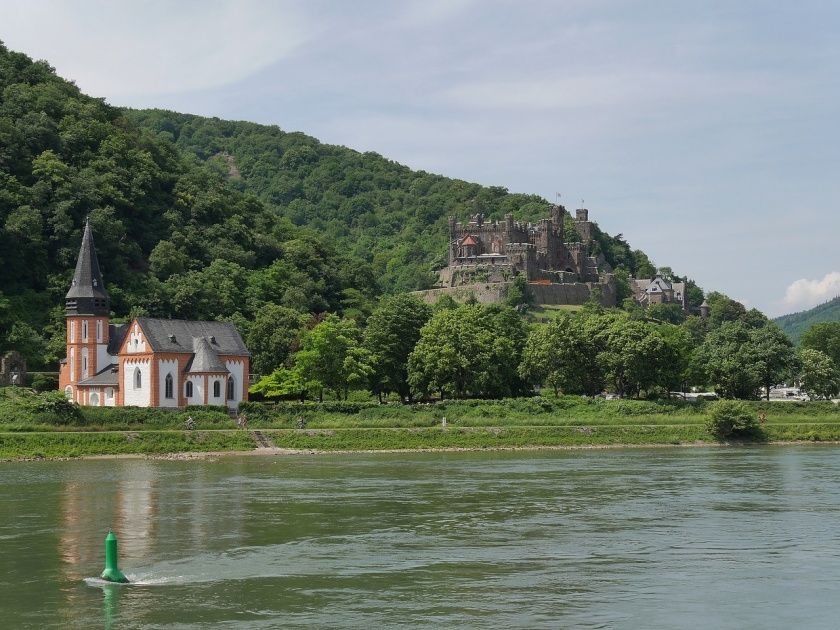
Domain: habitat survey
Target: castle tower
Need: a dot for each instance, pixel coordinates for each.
(87, 308)
(583, 225)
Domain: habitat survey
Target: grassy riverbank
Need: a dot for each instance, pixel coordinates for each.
(33, 428)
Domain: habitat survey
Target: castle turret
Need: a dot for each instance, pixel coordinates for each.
(582, 224)
(704, 309)
(87, 307)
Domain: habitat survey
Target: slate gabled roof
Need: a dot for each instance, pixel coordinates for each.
(108, 376)
(176, 335)
(116, 334)
(205, 359)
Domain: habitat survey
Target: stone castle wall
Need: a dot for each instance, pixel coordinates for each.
(573, 293)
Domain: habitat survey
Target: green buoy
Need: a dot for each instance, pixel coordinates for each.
(112, 572)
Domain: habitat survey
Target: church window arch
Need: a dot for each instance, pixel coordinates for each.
(138, 378)
(217, 389)
(68, 392)
(167, 388)
(188, 389)
(84, 330)
(231, 389)
(94, 400)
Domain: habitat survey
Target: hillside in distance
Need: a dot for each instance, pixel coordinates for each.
(797, 323)
(201, 218)
(381, 212)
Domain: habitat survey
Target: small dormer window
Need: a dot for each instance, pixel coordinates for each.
(172, 338)
(212, 340)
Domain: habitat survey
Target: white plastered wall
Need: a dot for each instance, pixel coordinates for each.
(198, 390)
(136, 340)
(237, 369)
(168, 366)
(216, 400)
(131, 395)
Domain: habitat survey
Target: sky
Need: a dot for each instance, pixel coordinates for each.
(706, 133)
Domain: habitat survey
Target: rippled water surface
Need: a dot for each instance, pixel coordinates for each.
(636, 538)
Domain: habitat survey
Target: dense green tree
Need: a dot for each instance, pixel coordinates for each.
(818, 374)
(471, 350)
(285, 383)
(633, 356)
(825, 337)
(723, 309)
(562, 355)
(331, 357)
(518, 295)
(671, 313)
(740, 359)
(623, 291)
(694, 294)
(392, 331)
(273, 337)
(772, 355)
(725, 361)
(675, 361)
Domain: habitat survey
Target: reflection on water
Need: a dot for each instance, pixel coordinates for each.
(664, 538)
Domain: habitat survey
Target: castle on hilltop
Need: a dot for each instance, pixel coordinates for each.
(536, 250)
(485, 257)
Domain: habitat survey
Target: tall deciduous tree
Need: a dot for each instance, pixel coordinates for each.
(472, 350)
(393, 330)
(632, 357)
(825, 337)
(273, 337)
(818, 374)
(562, 355)
(332, 358)
(772, 354)
(739, 359)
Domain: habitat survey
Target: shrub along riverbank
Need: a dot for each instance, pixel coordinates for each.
(42, 426)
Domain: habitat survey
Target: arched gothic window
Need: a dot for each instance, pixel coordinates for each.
(68, 393)
(168, 387)
(188, 389)
(138, 379)
(231, 389)
(217, 389)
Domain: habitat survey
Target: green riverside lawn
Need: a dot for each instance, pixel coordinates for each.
(34, 426)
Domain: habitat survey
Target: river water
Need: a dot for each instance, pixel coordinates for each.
(627, 538)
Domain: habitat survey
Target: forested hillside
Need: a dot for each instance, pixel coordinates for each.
(202, 218)
(381, 212)
(797, 323)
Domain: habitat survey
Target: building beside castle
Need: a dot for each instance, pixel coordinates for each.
(148, 362)
(658, 290)
(484, 257)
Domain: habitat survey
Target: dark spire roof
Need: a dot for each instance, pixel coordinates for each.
(87, 295)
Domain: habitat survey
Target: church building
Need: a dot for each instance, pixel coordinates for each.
(148, 362)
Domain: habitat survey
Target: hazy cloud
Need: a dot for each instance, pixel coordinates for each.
(804, 294)
(118, 48)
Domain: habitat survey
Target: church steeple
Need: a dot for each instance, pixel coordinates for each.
(87, 294)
